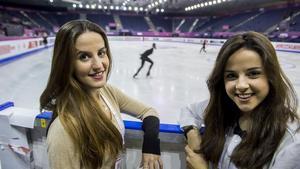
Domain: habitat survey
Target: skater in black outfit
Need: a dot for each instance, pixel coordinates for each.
(45, 39)
(203, 46)
(144, 57)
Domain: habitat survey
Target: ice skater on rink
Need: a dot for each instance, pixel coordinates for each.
(144, 58)
(203, 46)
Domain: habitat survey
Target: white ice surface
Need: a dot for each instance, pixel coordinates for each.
(178, 76)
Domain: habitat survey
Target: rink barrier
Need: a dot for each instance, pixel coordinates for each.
(132, 125)
(11, 50)
(6, 105)
(19, 56)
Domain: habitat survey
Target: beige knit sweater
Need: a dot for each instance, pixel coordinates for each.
(61, 150)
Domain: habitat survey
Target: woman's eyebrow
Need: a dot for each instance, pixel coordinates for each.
(79, 51)
(255, 68)
(104, 48)
(228, 71)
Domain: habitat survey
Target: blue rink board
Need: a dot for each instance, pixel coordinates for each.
(133, 125)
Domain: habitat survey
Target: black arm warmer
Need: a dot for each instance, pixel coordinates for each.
(151, 142)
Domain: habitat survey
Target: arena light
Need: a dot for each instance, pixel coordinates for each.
(155, 4)
(204, 4)
(72, 1)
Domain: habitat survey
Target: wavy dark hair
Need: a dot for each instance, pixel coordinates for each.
(269, 119)
(92, 133)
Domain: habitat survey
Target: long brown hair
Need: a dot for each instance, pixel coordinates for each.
(269, 119)
(92, 133)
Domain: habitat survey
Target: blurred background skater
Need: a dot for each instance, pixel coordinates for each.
(45, 39)
(144, 58)
(203, 46)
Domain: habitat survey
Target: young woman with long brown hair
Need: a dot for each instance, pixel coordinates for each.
(87, 131)
(251, 119)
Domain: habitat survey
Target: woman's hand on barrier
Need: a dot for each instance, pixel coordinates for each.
(194, 160)
(151, 161)
(194, 139)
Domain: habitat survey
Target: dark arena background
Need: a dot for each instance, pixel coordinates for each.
(178, 77)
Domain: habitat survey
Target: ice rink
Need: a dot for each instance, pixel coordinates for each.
(178, 76)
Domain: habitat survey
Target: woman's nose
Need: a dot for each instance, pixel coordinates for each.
(242, 83)
(97, 63)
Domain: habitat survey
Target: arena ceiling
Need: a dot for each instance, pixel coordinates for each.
(169, 6)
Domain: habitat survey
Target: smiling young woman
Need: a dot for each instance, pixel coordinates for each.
(87, 131)
(250, 120)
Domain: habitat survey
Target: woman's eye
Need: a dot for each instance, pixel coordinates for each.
(83, 57)
(102, 53)
(254, 73)
(230, 76)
